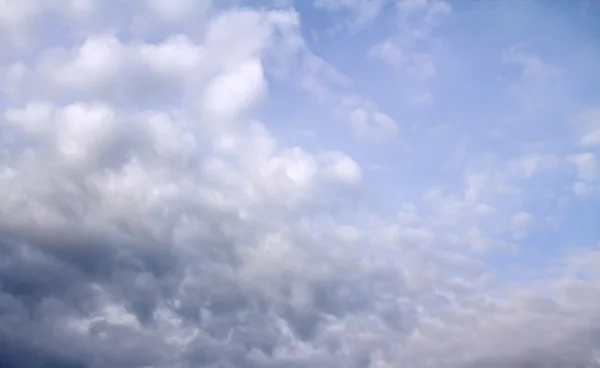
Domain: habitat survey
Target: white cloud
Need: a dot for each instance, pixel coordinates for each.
(588, 124)
(532, 164)
(475, 182)
(520, 223)
(420, 66)
(176, 9)
(362, 11)
(232, 93)
(152, 215)
(582, 189)
(531, 65)
(328, 86)
(20, 21)
(11, 77)
(32, 119)
(342, 168)
(15, 19)
(403, 51)
(75, 9)
(586, 166)
(366, 121)
(348, 233)
(82, 130)
(477, 241)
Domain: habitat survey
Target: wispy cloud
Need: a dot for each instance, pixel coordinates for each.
(405, 50)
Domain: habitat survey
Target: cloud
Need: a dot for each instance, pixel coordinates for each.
(588, 122)
(406, 50)
(327, 85)
(582, 189)
(365, 119)
(531, 66)
(174, 10)
(586, 166)
(520, 222)
(154, 214)
(531, 164)
(362, 11)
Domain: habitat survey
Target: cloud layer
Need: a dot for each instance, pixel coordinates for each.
(160, 208)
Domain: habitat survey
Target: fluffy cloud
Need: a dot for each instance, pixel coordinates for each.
(151, 215)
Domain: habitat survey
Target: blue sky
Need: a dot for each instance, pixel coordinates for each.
(352, 183)
(486, 110)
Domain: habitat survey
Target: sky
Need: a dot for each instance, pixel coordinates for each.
(308, 183)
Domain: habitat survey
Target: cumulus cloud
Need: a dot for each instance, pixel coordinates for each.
(151, 215)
